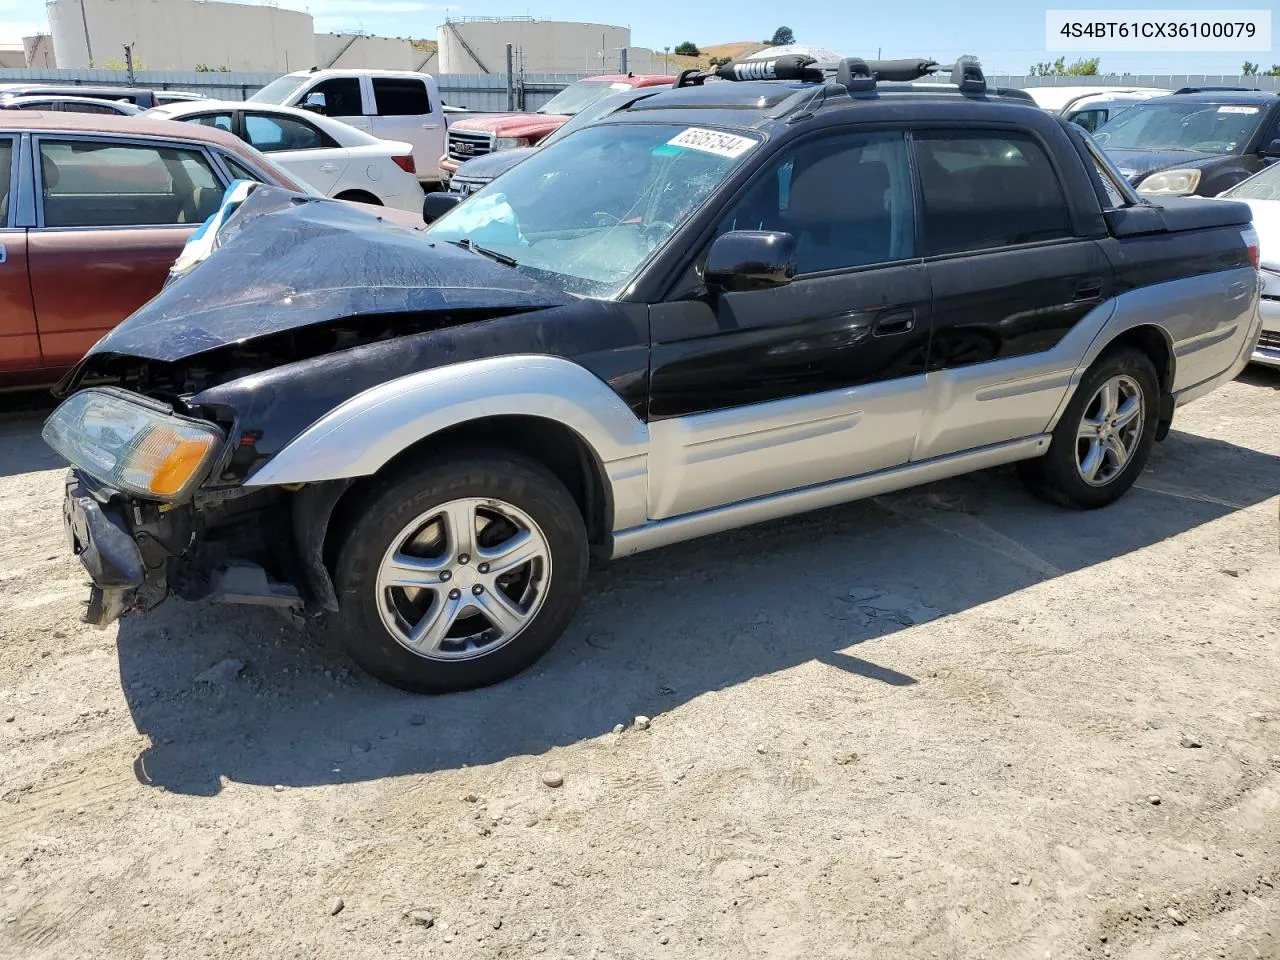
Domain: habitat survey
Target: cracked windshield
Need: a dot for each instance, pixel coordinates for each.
(589, 211)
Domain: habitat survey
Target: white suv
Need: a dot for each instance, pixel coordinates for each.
(390, 104)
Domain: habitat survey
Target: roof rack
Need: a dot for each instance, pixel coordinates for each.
(856, 75)
(1215, 90)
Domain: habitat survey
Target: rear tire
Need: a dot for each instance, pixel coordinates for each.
(460, 571)
(1105, 435)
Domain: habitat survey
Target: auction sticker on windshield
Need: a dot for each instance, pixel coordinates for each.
(712, 141)
(1230, 109)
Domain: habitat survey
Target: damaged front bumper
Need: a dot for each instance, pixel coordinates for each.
(100, 536)
(136, 552)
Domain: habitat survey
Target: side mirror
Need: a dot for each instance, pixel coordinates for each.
(315, 102)
(1272, 149)
(750, 260)
(436, 205)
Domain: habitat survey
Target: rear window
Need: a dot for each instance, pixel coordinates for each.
(985, 190)
(394, 97)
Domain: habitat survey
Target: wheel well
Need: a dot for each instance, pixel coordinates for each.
(1155, 343)
(555, 446)
(359, 196)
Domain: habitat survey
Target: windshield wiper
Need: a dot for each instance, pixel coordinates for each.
(466, 243)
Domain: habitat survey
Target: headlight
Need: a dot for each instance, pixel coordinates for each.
(1170, 183)
(510, 143)
(132, 444)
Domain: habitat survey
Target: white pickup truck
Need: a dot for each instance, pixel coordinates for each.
(390, 104)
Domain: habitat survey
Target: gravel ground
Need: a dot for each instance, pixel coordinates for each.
(952, 722)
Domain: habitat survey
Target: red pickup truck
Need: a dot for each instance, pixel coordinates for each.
(476, 136)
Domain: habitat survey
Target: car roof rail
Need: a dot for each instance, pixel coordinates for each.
(1216, 90)
(855, 74)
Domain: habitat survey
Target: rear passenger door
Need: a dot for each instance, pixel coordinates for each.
(300, 147)
(111, 217)
(403, 111)
(759, 391)
(1010, 279)
(19, 342)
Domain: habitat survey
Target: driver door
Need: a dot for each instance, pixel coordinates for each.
(760, 391)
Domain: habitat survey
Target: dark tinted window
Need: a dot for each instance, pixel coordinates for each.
(1091, 120)
(221, 121)
(240, 171)
(270, 134)
(983, 190)
(341, 96)
(103, 184)
(400, 98)
(73, 107)
(846, 200)
(6, 175)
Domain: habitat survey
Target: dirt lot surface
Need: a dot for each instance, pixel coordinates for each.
(953, 722)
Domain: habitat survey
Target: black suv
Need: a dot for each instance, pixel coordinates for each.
(1198, 143)
(732, 301)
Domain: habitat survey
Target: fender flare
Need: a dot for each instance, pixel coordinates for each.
(360, 436)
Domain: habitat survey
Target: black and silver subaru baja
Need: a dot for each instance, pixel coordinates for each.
(731, 301)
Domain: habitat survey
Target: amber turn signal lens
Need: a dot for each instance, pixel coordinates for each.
(179, 466)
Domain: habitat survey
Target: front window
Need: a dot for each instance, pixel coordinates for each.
(279, 90)
(1173, 124)
(1261, 186)
(588, 212)
(574, 97)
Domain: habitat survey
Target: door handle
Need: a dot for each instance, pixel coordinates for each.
(4, 253)
(893, 323)
(328, 168)
(1088, 289)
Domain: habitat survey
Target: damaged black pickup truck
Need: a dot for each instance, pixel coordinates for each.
(773, 288)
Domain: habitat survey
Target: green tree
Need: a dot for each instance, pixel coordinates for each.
(688, 49)
(1060, 68)
(1274, 71)
(1249, 69)
(781, 37)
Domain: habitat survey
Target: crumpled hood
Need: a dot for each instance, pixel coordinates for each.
(1135, 164)
(490, 165)
(284, 262)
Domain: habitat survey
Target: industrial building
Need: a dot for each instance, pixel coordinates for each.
(479, 45)
(180, 35)
(209, 35)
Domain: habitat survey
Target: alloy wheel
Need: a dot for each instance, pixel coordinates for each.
(1109, 431)
(463, 579)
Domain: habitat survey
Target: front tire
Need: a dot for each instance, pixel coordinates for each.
(1105, 435)
(460, 571)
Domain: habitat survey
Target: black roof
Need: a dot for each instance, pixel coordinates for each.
(756, 104)
(1224, 96)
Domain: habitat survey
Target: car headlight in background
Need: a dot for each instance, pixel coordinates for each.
(1170, 183)
(510, 143)
(132, 444)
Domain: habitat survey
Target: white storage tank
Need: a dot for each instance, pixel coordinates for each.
(180, 35)
(479, 45)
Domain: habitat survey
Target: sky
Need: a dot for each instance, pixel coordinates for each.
(1007, 35)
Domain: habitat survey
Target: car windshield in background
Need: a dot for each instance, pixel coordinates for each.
(574, 97)
(1261, 186)
(587, 213)
(596, 111)
(1182, 125)
(279, 90)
